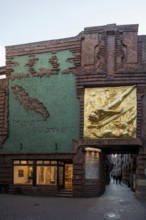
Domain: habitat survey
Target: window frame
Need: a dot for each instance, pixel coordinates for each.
(35, 163)
(22, 164)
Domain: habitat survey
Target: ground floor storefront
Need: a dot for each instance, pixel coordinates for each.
(85, 172)
(82, 172)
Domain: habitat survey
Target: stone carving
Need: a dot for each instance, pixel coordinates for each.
(89, 43)
(130, 40)
(100, 54)
(121, 52)
(30, 103)
(114, 47)
(110, 112)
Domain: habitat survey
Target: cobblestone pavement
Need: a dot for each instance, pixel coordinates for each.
(118, 202)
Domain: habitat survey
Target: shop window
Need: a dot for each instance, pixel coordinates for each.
(23, 175)
(47, 175)
(45, 172)
(23, 172)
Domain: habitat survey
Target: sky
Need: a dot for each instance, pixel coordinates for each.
(27, 21)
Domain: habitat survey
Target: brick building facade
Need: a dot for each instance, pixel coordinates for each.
(66, 104)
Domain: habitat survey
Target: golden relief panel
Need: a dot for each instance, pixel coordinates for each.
(110, 112)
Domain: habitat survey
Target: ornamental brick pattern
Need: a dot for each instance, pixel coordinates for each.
(104, 56)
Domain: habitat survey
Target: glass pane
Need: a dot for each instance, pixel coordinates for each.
(16, 162)
(23, 175)
(30, 162)
(39, 162)
(53, 162)
(23, 161)
(46, 175)
(46, 162)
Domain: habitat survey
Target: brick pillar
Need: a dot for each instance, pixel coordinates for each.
(78, 173)
(141, 175)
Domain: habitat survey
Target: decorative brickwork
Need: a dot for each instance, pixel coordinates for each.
(29, 103)
(105, 56)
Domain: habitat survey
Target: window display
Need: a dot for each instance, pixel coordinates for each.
(42, 172)
(23, 175)
(47, 175)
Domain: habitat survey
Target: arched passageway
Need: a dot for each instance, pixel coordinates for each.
(122, 166)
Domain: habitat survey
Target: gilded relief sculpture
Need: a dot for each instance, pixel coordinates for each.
(110, 112)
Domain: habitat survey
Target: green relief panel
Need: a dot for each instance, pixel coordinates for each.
(63, 57)
(21, 68)
(42, 61)
(43, 114)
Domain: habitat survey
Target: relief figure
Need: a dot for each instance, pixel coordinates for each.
(114, 114)
(100, 55)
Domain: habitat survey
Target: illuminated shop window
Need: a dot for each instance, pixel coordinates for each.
(23, 173)
(40, 172)
(47, 175)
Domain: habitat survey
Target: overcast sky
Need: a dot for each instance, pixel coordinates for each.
(26, 21)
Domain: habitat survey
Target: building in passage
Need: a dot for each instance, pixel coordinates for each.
(66, 105)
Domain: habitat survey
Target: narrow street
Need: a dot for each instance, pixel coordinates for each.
(118, 202)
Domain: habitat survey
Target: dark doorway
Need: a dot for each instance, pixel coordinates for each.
(68, 176)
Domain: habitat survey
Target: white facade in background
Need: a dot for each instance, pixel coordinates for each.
(2, 59)
(2, 56)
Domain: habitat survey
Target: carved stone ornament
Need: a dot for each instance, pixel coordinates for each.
(100, 54)
(110, 112)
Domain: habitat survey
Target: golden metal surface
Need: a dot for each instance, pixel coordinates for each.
(110, 112)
